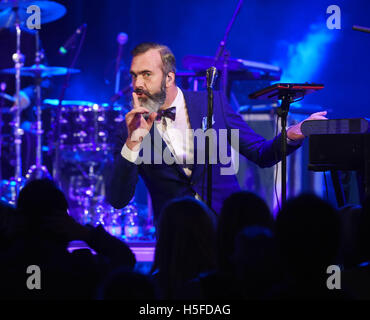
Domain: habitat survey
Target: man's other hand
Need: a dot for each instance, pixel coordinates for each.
(294, 133)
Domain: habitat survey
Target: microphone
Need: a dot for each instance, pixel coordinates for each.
(121, 39)
(211, 77)
(360, 28)
(70, 43)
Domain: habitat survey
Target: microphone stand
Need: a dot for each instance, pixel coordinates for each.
(226, 54)
(56, 167)
(283, 112)
(211, 78)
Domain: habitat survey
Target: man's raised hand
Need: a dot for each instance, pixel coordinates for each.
(137, 126)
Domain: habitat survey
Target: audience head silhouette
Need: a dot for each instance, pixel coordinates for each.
(308, 233)
(41, 198)
(241, 209)
(185, 244)
(255, 261)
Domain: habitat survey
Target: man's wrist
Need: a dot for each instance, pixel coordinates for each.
(129, 154)
(133, 145)
(294, 135)
(294, 142)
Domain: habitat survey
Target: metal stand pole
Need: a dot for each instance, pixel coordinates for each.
(222, 52)
(211, 79)
(283, 111)
(38, 171)
(18, 59)
(225, 73)
(209, 146)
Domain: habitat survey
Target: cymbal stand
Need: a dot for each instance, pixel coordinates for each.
(18, 59)
(221, 50)
(225, 73)
(38, 171)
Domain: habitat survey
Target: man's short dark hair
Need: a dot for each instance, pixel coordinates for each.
(168, 58)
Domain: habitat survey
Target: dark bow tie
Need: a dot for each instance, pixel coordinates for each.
(169, 113)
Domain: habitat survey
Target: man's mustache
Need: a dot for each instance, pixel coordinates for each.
(142, 91)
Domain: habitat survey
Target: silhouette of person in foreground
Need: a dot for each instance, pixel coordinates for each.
(308, 234)
(45, 232)
(185, 245)
(240, 210)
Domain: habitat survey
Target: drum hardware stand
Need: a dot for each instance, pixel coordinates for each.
(86, 194)
(38, 171)
(18, 58)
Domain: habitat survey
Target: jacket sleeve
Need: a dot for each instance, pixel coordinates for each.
(265, 153)
(122, 177)
(117, 251)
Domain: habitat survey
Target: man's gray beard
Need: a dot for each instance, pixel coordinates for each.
(155, 101)
(151, 105)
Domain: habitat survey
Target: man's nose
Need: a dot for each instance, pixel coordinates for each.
(139, 82)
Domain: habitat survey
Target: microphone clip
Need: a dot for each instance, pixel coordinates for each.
(212, 75)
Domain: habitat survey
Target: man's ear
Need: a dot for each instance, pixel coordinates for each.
(170, 79)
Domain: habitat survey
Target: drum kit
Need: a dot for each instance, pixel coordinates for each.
(82, 131)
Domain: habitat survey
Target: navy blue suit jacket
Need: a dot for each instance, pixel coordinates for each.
(166, 182)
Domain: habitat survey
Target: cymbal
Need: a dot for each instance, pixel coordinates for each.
(41, 70)
(55, 102)
(251, 69)
(7, 96)
(49, 10)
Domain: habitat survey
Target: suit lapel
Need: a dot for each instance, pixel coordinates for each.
(196, 107)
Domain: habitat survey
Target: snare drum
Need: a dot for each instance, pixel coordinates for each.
(87, 129)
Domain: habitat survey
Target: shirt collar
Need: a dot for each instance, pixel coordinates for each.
(178, 102)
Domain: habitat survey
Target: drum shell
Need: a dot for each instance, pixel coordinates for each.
(86, 130)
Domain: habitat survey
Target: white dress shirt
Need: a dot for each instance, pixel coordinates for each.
(177, 134)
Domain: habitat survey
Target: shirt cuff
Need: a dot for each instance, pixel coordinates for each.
(128, 154)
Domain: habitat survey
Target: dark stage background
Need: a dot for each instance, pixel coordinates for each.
(290, 34)
(287, 33)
